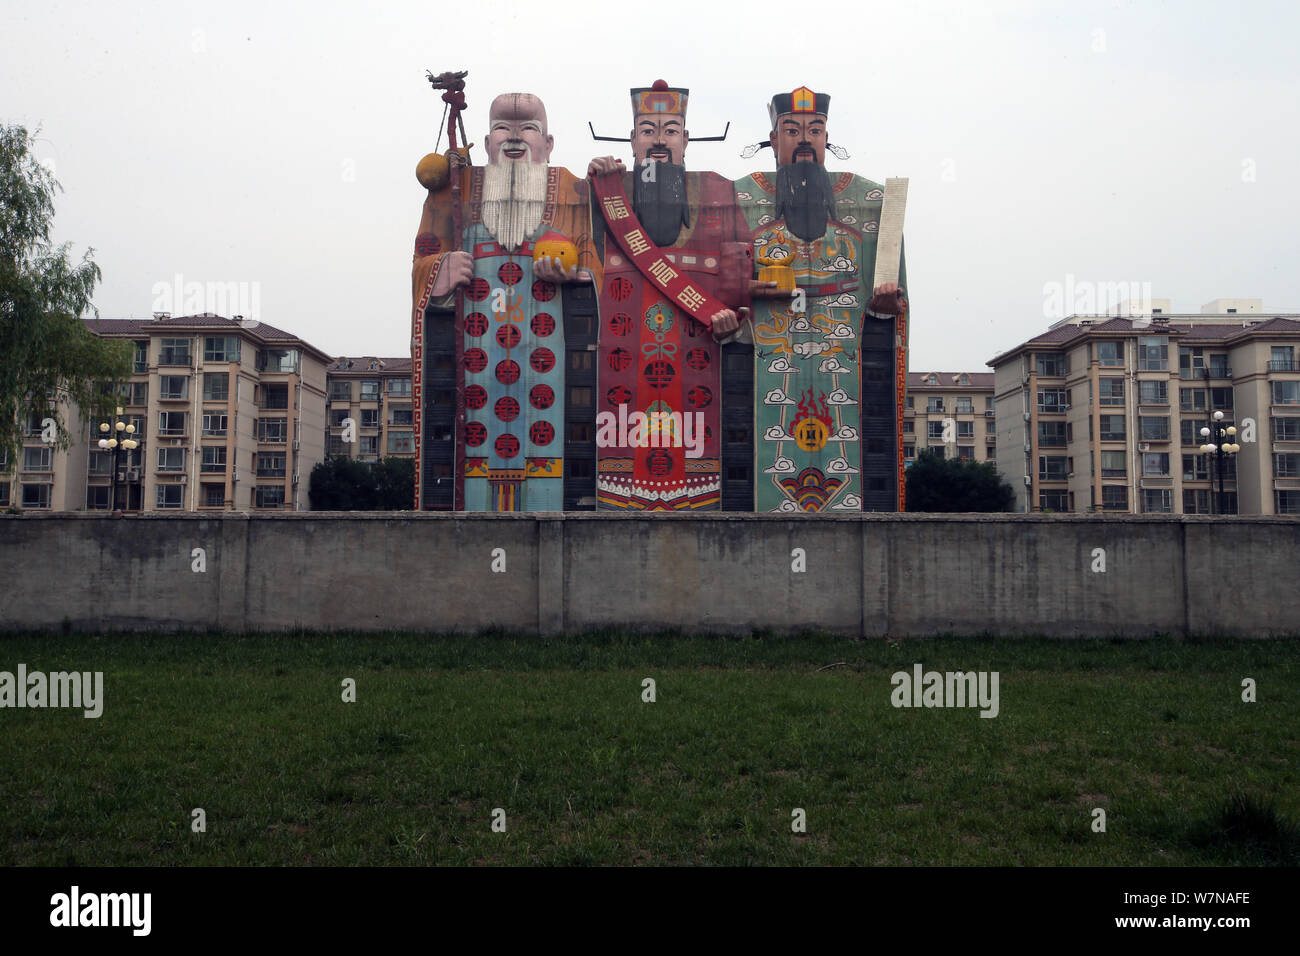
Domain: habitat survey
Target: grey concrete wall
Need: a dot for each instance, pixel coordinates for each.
(871, 575)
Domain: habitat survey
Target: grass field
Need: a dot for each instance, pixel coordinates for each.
(444, 730)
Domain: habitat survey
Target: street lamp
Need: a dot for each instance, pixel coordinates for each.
(1219, 443)
(111, 442)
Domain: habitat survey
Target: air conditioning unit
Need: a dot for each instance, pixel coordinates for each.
(1028, 448)
(1028, 480)
(1027, 416)
(1070, 475)
(296, 444)
(235, 476)
(133, 474)
(295, 477)
(184, 479)
(1025, 380)
(121, 476)
(1067, 406)
(1144, 446)
(177, 442)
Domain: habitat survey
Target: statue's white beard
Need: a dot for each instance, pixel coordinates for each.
(514, 199)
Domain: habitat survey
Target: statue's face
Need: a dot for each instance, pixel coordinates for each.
(799, 138)
(517, 129)
(659, 137)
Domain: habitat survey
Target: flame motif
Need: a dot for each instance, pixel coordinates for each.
(810, 408)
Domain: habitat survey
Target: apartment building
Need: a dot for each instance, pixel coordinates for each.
(950, 413)
(1103, 413)
(229, 414)
(374, 395)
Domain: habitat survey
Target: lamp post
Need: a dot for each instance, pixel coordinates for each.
(1218, 443)
(117, 438)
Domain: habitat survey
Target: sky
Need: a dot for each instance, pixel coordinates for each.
(265, 152)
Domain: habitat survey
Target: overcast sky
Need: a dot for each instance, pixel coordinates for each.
(274, 144)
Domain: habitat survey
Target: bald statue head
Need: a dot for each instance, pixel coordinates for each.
(517, 130)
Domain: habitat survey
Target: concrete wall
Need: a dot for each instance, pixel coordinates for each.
(871, 575)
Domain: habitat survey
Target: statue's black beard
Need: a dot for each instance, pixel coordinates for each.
(803, 199)
(661, 203)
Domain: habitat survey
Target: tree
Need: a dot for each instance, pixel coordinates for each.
(935, 483)
(47, 349)
(345, 484)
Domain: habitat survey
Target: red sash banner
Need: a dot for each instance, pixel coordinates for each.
(646, 256)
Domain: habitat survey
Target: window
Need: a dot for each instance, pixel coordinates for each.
(1191, 363)
(911, 402)
(1051, 363)
(36, 496)
(268, 496)
(1110, 354)
(1285, 429)
(1286, 466)
(97, 497)
(38, 459)
(4, 494)
(936, 450)
(988, 404)
(965, 406)
(1153, 393)
(222, 348)
(1114, 464)
(335, 446)
(337, 417)
(909, 427)
(216, 387)
(1155, 464)
(1052, 400)
(214, 424)
(1112, 428)
(368, 445)
(100, 463)
(990, 426)
(142, 356)
(1153, 429)
(966, 430)
(1114, 498)
(1285, 502)
(174, 352)
(1111, 391)
(1052, 434)
(934, 406)
(934, 430)
(909, 451)
(340, 391)
(272, 430)
(1282, 359)
(171, 423)
(1219, 367)
(275, 396)
(399, 387)
(401, 443)
(1286, 393)
(1196, 501)
(138, 394)
(1221, 399)
(1191, 399)
(1054, 501)
(277, 360)
(1196, 468)
(991, 452)
(214, 496)
(214, 459)
(270, 465)
(1157, 500)
(965, 453)
(174, 387)
(171, 459)
(169, 496)
(1153, 353)
(369, 389)
(369, 418)
(1051, 468)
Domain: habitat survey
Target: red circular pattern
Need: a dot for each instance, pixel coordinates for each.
(699, 397)
(478, 290)
(476, 324)
(475, 396)
(619, 395)
(543, 324)
(507, 409)
(543, 291)
(542, 360)
(507, 446)
(541, 396)
(620, 288)
(659, 374)
(508, 372)
(541, 433)
(620, 323)
(620, 360)
(475, 434)
(475, 360)
(508, 336)
(697, 359)
(510, 273)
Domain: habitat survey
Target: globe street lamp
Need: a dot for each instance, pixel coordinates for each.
(1219, 442)
(112, 442)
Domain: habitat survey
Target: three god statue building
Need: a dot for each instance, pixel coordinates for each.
(650, 338)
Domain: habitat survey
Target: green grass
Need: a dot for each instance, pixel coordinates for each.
(445, 729)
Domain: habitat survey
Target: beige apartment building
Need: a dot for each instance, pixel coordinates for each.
(229, 414)
(370, 403)
(1103, 413)
(950, 413)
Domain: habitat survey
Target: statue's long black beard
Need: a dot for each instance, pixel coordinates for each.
(803, 199)
(660, 204)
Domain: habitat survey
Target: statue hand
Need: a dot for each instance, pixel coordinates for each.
(456, 271)
(889, 299)
(605, 164)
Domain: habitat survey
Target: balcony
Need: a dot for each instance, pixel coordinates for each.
(1284, 365)
(173, 358)
(988, 413)
(173, 397)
